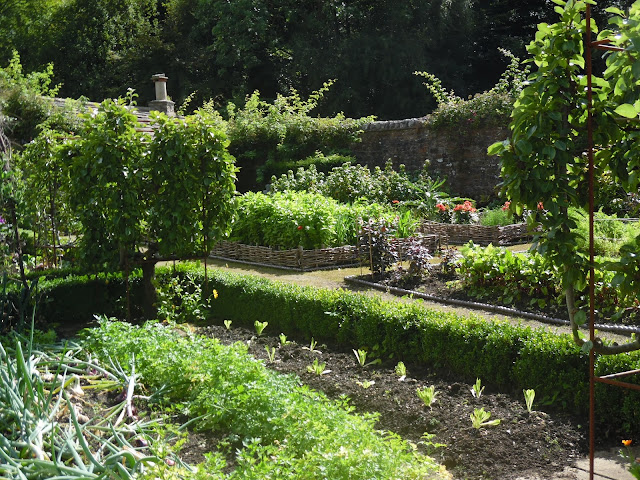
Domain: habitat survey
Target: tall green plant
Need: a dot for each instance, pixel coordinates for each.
(284, 130)
(140, 199)
(544, 165)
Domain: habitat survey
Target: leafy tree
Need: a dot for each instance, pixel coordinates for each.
(103, 47)
(142, 199)
(545, 161)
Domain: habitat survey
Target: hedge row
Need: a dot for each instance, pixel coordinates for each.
(511, 357)
(74, 299)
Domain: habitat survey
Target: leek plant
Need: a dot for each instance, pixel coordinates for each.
(43, 431)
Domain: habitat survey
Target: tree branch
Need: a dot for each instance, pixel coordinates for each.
(598, 346)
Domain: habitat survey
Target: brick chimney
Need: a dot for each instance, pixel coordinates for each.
(161, 103)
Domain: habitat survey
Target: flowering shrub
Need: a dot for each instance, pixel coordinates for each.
(443, 214)
(464, 212)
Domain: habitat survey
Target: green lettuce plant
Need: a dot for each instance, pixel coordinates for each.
(480, 418)
(427, 395)
(529, 395)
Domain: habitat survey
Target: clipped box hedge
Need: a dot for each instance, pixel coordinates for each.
(69, 298)
(511, 357)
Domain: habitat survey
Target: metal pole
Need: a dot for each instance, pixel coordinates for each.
(587, 48)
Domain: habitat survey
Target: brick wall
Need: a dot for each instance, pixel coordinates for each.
(458, 154)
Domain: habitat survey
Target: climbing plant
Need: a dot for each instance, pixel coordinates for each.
(545, 161)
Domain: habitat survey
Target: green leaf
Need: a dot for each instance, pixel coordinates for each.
(497, 148)
(626, 110)
(524, 146)
(549, 151)
(587, 346)
(580, 317)
(618, 279)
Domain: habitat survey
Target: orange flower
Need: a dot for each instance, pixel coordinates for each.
(626, 443)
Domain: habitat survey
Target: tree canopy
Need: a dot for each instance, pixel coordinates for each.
(545, 161)
(227, 50)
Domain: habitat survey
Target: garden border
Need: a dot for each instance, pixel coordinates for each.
(304, 260)
(459, 234)
(620, 329)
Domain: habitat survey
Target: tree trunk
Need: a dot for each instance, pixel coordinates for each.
(149, 294)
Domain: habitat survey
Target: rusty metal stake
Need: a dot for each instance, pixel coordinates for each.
(588, 46)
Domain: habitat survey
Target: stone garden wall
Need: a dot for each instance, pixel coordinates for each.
(455, 153)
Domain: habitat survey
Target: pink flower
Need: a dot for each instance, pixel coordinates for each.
(506, 206)
(540, 206)
(441, 207)
(395, 201)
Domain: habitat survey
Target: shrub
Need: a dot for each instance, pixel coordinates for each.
(284, 132)
(350, 182)
(492, 107)
(310, 220)
(374, 246)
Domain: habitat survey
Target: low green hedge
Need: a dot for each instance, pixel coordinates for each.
(511, 357)
(74, 299)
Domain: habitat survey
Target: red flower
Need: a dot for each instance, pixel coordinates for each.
(540, 206)
(300, 227)
(467, 206)
(441, 207)
(506, 206)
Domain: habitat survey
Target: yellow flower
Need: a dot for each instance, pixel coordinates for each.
(626, 443)
(215, 293)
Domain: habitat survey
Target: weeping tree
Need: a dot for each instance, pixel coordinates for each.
(545, 160)
(143, 198)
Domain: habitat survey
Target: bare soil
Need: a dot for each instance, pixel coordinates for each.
(523, 445)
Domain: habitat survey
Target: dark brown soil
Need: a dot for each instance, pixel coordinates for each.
(524, 445)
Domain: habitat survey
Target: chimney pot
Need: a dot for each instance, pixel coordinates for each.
(161, 103)
(160, 79)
